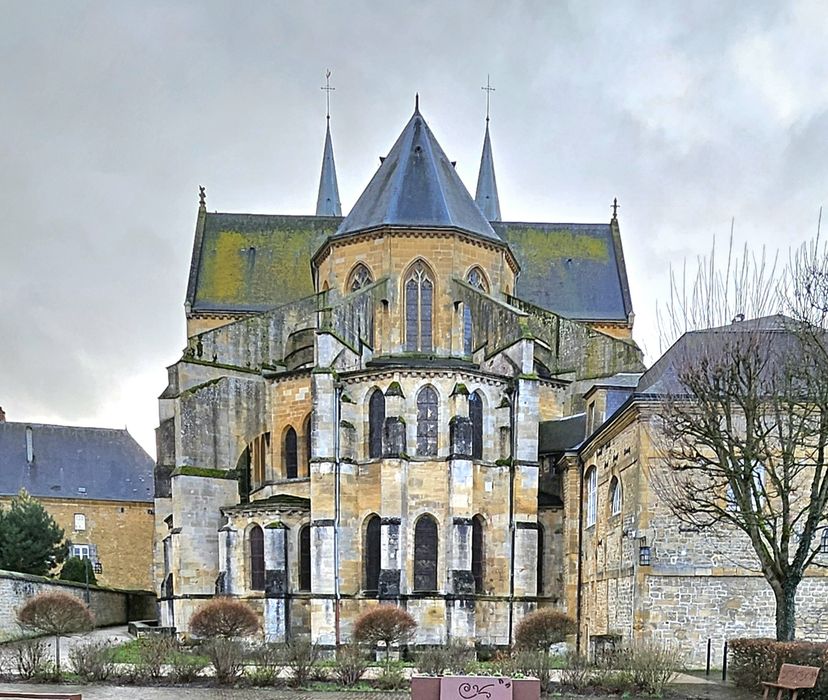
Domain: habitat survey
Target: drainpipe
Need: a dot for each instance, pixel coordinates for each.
(578, 603)
(513, 429)
(337, 411)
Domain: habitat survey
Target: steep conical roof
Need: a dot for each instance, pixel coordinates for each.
(417, 185)
(327, 203)
(486, 195)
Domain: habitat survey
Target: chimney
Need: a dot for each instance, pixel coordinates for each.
(2, 415)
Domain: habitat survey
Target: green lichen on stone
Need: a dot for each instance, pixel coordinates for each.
(199, 387)
(346, 424)
(394, 389)
(505, 462)
(460, 389)
(276, 525)
(205, 472)
(346, 399)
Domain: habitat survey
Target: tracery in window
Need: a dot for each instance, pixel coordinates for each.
(360, 277)
(616, 496)
(476, 417)
(376, 423)
(419, 298)
(427, 415)
(592, 496)
(477, 279)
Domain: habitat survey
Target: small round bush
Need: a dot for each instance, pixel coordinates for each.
(80, 570)
(384, 623)
(224, 617)
(542, 628)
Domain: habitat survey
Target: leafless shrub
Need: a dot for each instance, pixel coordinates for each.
(57, 614)
(93, 661)
(351, 664)
(224, 617)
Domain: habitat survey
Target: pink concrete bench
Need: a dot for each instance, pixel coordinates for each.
(793, 678)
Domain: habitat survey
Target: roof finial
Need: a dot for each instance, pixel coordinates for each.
(416, 103)
(327, 88)
(615, 207)
(202, 197)
(489, 90)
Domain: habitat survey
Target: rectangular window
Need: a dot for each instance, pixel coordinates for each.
(80, 522)
(81, 551)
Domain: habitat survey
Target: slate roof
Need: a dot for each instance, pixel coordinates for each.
(486, 194)
(416, 185)
(253, 262)
(562, 434)
(74, 463)
(662, 377)
(575, 270)
(327, 201)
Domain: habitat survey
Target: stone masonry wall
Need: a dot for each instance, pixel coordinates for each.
(110, 607)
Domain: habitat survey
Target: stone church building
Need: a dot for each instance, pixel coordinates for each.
(356, 415)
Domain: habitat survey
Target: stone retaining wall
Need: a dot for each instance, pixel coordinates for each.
(110, 606)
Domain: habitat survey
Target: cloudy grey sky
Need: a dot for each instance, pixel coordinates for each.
(112, 113)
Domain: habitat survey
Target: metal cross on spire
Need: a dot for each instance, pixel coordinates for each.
(615, 207)
(489, 90)
(328, 89)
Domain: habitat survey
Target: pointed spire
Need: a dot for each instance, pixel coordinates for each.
(327, 203)
(486, 194)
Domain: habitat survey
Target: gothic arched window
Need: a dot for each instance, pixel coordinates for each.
(308, 444)
(291, 456)
(419, 299)
(360, 277)
(371, 554)
(478, 554)
(476, 417)
(425, 554)
(427, 422)
(592, 496)
(376, 423)
(305, 558)
(257, 562)
(616, 496)
(477, 279)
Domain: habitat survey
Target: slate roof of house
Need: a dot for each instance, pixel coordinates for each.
(417, 185)
(662, 378)
(575, 270)
(74, 463)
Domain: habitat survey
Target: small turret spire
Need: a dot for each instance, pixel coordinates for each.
(486, 195)
(327, 202)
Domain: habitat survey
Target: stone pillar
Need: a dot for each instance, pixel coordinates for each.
(276, 609)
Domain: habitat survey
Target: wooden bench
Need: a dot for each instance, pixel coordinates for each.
(39, 696)
(793, 678)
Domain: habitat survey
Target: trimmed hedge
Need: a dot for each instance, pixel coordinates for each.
(755, 660)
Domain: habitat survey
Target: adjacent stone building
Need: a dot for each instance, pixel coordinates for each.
(355, 416)
(96, 483)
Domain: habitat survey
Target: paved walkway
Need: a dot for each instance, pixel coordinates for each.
(116, 692)
(115, 635)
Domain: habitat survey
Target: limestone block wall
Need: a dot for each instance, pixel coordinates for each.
(120, 532)
(109, 606)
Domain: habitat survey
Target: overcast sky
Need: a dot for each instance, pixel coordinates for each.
(112, 114)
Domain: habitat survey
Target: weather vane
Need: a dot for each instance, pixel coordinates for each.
(202, 196)
(327, 88)
(489, 90)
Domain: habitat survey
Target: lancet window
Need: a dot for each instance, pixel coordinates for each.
(425, 554)
(257, 562)
(477, 553)
(291, 456)
(376, 423)
(371, 553)
(305, 558)
(427, 414)
(476, 417)
(419, 300)
(616, 496)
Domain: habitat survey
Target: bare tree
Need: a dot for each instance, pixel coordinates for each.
(743, 413)
(57, 614)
